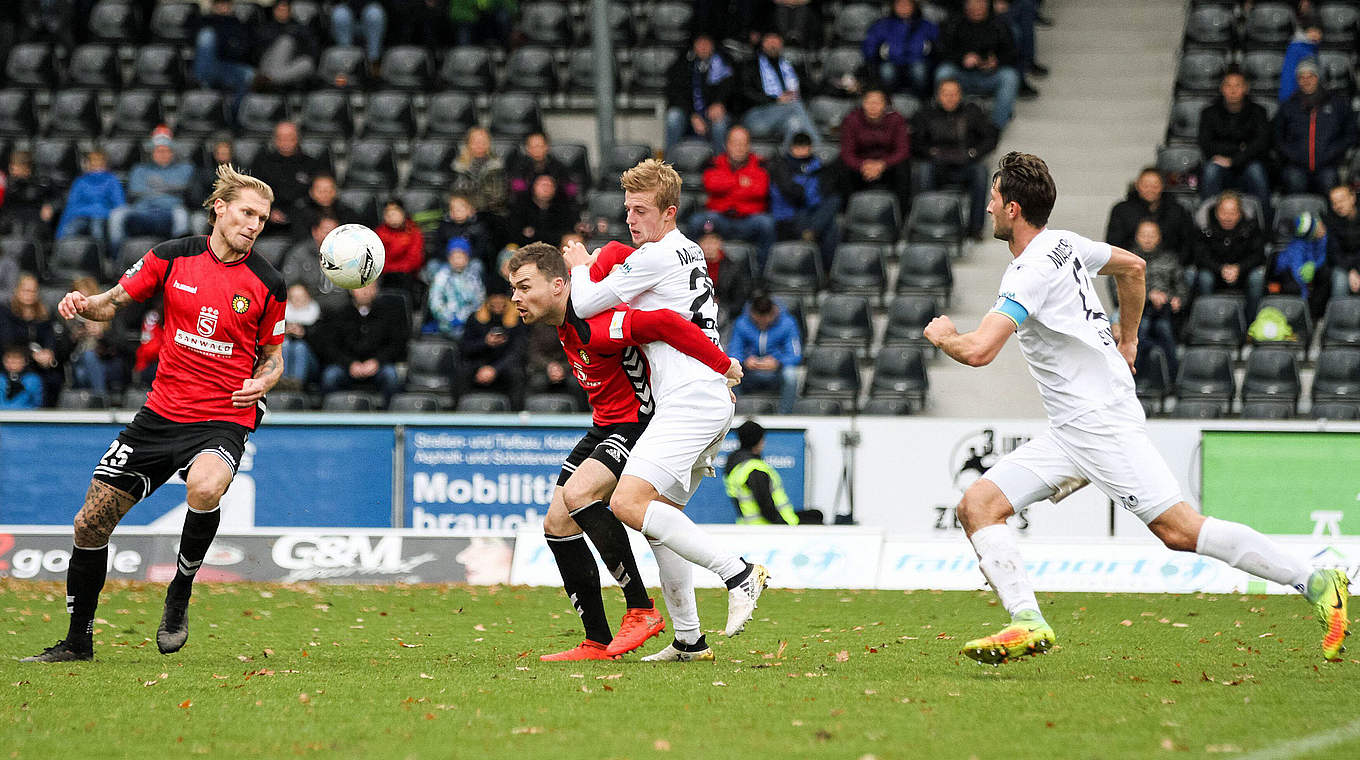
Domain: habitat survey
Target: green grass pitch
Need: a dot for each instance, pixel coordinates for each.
(451, 671)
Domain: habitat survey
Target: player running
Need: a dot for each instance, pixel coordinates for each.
(693, 407)
(604, 357)
(1098, 432)
(224, 320)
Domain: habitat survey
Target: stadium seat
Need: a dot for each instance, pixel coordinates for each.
(74, 113)
(531, 69)
(174, 21)
(431, 164)
(607, 205)
(114, 21)
(1211, 26)
(132, 251)
(364, 201)
(1342, 322)
(546, 23)
(550, 403)
(342, 67)
(842, 73)
(351, 401)
(202, 113)
(424, 403)
(288, 401)
(671, 22)
(1217, 320)
(1206, 374)
(122, 153)
(751, 405)
(620, 27)
(158, 67)
(74, 256)
(852, 22)
(1268, 25)
(134, 398)
(430, 365)
(689, 157)
(1340, 22)
(886, 407)
(326, 113)
(298, 269)
(794, 267)
(247, 150)
(1288, 208)
(900, 372)
(1295, 310)
(82, 398)
(831, 373)
(578, 82)
(619, 158)
(390, 114)
(573, 155)
(515, 114)
(845, 320)
(1335, 69)
(272, 249)
(95, 66)
(1272, 373)
(1179, 164)
(260, 111)
(468, 68)
(32, 66)
(423, 200)
(450, 115)
(1153, 381)
(925, 268)
(18, 114)
(741, 254)
(650, 67)
(484, 403)
(1337, 410)
(1337, 377)
(857, 269)
(55, 160)
(137, 112)
(828, 112)
(1199, 409)
(936, 216)
(1262, 69)
(27, 252)
(908, 316)
(1200, 71)
(1183, 126)
(319, 150)
(872, 216)
(372, 164)
(1267, 409)
(818, 407)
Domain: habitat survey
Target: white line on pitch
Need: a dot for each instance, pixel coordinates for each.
(1312, 743)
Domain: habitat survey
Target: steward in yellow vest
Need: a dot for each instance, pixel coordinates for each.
(755, 487)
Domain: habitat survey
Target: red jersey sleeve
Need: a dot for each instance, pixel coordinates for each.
(145, 277)
(612, 254)
(669, 327)
(271, 324)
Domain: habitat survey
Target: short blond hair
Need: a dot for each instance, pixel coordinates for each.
(653, 175)
(230, 183)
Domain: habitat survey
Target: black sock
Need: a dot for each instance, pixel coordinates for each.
(698, 646)
(736, 580)
(84, 581)
(199, 530)
(581, 581)
(611, 541)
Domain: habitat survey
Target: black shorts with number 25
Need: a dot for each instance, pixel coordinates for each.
(610, 445)
(152, 448)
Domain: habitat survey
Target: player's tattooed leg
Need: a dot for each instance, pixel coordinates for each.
(104, 507)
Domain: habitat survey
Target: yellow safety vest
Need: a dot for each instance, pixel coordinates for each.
(746, 500)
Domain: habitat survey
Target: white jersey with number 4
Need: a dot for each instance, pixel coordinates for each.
(667, 274)
(1064, 332)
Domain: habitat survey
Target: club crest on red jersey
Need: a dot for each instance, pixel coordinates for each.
(207, 321)
(240, 304)
(585, 357)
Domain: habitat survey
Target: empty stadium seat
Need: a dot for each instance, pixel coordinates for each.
(260, 111)
(794, 267)
(137, 112)
(288, 401)
(936, 216)
(1342, 322)
(671, 22)
(620, 22)
(75, 113)
(532, 69)
(828, 112)
(114, 21)
(550, 403)
(1337, 410)
(1199, 71)
(1217, 320)
(246, 150)
(390, 113)
(351, 401)
(55, 160)
(1153, 381)
(27, 252)
(607, 205)
(18, 114)
(750, 405)
(689, 157)
(546, 23)
(1335, 69)
(858, 268)
(851, 24)
(450, 115)
(407, 67)
(158, 67)
(900, 372)
(1206, 375)
(122, 153)
(831, 373)
(1272, 373)
(326, 113)
(342, 67)
(484, 403)
(872, 216)
(818, 407)
(1211, 26)
(619, 158)
(650, 69)
(1267, 409)
(578, 82)
(908, 316)
(845, 320)
(925, 268)
(201, 113)
(1268, 26)
(886, 407)
(1262, 69)
(424, 403)
(431, 163)
(515, 114)
(372, 164)
(1340, 21)
(841, 72)
(1199, 409)
(175, 21)
(96, 66)
(74, 256)
(468, 68)
(422, 200)
(1183, 126)
(1337, 377)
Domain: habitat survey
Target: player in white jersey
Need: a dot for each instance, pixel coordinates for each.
(694, 407)
(1097, 432)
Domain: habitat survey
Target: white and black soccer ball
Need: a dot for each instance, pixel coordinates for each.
(352, 256)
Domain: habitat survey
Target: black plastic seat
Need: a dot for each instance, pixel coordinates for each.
(936, 216)
(900, 372)
(1262, 69)
(430, 365)
(618, 159)
(450, 115)
(1337, 410)
(407, 67)
(620, 22)
(1183, 126)
(1268, 26)
(137, 112)
(75, 113)
(431, 162)
(650, 67)
(288, 401)
(423, 403)
(56, 160)
(82, 398)
(1206, 375)
(202, 113)
(1271, 373)
(846, 320)
(532, 68)
(326, 113)
(1337, 377)
(174, 21)
(158, 67)
(114, 21)
(607, 205)
(372, 164)
(515, 114)
(841, 71)
(422, 200)
(852, 22)
(872, 216)
(1199, 409)
(27, 253)
(1211, 26)
(925, 268)
(886, 407)
(751, 405)
(550, 403)
(578, 80)
(908, 316)
(1179, 163)
(828, 112)
(351, 401)
(247, 150)
(857, 268)
(1336, 71)
(342, 67)
(1342, 322)
(390, 113)
(1217, 320)
(72, 257)
(689, 157)
(794, 267)
(574, 156)
(832, 372)
(1199, 71)
(671, 22)
(468, 68)
(122, 153)
(1288, 208)
(364, 201)
(32, 66)
(1340, 22)
(95, 66)
(261, 111)
(484, 403)
(818, 407)
(1268, 409)
(18, 114)
(546, 23)
(1153, 381)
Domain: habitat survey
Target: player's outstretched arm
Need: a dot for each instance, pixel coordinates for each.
(1129, 273)
(977, 348)
(640, 327)
(98, 308)
(268, 370)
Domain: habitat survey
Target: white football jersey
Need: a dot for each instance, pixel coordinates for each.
(1064, 332)
(668, 274)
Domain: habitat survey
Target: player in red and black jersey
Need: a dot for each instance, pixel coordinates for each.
(604, 356)
(222, 352)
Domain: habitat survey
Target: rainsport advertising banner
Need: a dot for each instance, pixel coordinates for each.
(470, 478)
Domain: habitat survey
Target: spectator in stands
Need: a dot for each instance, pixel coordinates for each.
(493, 350)
(1305, 46)
(404, 245)
(803, 198)
(738, 204)
(461, 222)
(799, 21)
(205, 175)
(773, 87)
(731, 279)
(360, 343)
(977, 50)
(25, 201)
(93, 195)
(288, 49)
(322, 199)
(372, 26)
(1019, 16)
(155, 193)
(1167, 294)
(952, 139)
(533, 159)
(699, 88)
(480, 174)
(1302, 268)
(547, 372)
(289, 172)
(479, 22)
(22, 386)
(300, 315)
(1147, 201)
(1313, 130)
(545, 214)
(425, 23)
(1343, 241)
(1231, 253)
(875, 148)
(309, 248)
(765, 339)
(898, 46)
(150, 336)
(1234, 138)
(456, 290)
(27, 321)
(95, 359)
(223, 52)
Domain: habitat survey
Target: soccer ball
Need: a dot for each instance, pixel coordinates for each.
(352, 256)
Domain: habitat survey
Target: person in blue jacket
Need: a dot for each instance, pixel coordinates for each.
(1302, 267)
(766, 340)
(1313, 130)
(20, 387)
(93, 195)
(1304, 46)
(897, 48)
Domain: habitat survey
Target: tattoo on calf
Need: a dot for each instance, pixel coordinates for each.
(104, 507)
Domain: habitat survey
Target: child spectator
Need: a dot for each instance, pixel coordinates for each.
(299, 316)
(1302, 263)
(457, 290)
(1167, 294)
(405, 246)
(22, 386)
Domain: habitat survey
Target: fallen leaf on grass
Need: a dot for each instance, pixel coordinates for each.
(661, 745)
(609, 677)
(842, 656)
(185, 704)
(719, 683)
(527, 730)
(427, 676)
(1126, 622)
(782, 646)
(408, 646)
(304, 698)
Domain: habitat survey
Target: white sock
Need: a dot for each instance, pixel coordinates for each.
(1000, 561)
(677, 588)
(1246, 549)
(671, 527)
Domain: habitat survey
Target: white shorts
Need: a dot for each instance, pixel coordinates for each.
(1109, 447)
(676, 450)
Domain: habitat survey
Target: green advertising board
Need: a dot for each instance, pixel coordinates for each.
(1283, 482)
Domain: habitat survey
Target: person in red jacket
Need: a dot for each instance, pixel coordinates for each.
(405, 246)
(738, 205)
(875, 147)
